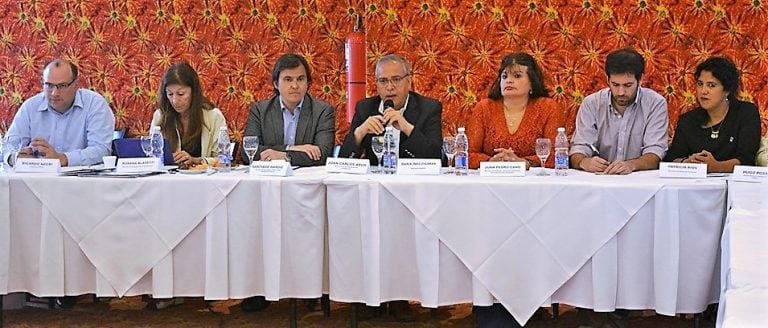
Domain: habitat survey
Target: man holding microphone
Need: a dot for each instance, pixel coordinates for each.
(417, 118)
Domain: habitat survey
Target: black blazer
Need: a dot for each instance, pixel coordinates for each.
(317, 126)
(739, 134)
(426, 140)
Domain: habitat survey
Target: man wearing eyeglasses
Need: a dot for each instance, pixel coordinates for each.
(418, 118)
(64, 122)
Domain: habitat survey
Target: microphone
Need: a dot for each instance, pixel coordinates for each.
(388, 104)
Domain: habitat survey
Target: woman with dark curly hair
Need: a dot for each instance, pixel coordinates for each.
(722, 131)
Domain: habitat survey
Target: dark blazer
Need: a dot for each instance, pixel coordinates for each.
(317, 126)
(426, 140)
(739, 134)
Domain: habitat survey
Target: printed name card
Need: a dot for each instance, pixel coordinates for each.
(502, 169)
(750, 173)
(347, 165)
(138, 164)
(682, 170)
(271, 168)
(37, 165)
(418, 166)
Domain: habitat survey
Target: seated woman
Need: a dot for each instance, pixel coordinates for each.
(722, 131)
(505, 126)
(762, 154)
(191, 124)
(187, 118)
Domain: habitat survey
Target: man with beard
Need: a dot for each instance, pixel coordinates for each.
(622, 128)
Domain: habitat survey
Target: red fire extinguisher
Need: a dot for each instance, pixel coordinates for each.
(354, 53)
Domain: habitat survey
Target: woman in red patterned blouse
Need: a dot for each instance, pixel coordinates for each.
(518, 110)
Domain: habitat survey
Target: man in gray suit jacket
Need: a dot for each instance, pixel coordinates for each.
(291, 125)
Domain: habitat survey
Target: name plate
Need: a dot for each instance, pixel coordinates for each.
(138, 164)
(418, 166)
(37, 165)
(750, 173)
(502, 169)
(347, 165)
(271, 168)
(682, 170)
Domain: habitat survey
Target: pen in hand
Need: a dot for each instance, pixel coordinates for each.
(594, 149)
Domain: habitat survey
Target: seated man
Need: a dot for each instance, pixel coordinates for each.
(622, 128)
(291, 125)
(64, 122)
(417, 118)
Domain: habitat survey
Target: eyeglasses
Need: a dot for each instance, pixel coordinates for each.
(60, 86)
(395, 80)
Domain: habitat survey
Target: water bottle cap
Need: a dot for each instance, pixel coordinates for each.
(223, 128)
(461, 129)
(389, 128)
(561, 129)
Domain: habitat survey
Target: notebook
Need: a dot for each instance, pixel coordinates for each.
(131, 148)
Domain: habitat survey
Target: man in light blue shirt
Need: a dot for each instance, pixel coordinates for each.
(64, 122)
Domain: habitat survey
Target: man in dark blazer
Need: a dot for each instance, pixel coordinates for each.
(291, 125)
(418, 118)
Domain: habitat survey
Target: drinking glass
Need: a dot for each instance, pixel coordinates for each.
(449, 148)
(377, 144)
(251, 146)
(146, 145)
(543, 146)
(10, 146)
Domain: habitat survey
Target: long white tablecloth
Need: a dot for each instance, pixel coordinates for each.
(601, 242)
(744, 291)
(221, 237)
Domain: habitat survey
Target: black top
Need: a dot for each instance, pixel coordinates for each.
(425, 141)
(738, 137)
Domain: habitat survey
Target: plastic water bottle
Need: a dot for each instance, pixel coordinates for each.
(225, 158)
(561, 152)
(462, 153)
(157, 144)
(389, 159)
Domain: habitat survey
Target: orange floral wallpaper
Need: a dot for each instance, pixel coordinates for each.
(123, 47)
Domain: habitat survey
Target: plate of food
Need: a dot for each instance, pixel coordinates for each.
(197, 169)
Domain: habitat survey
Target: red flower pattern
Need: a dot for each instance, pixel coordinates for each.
(123, 47)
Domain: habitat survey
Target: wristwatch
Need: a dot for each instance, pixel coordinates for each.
(288, 156)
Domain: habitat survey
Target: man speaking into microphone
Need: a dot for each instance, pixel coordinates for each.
(418, 118)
